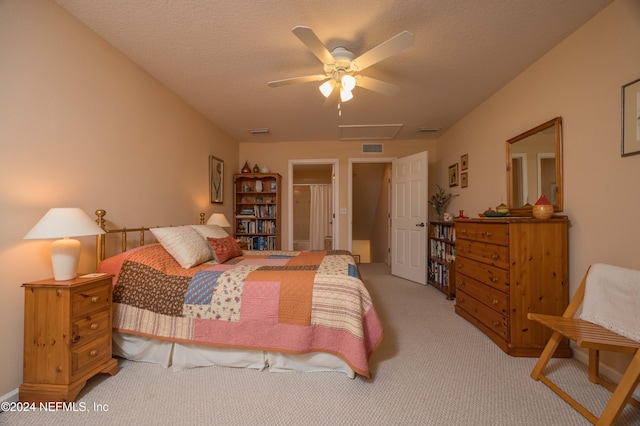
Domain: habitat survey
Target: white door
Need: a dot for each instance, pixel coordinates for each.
(409, 217)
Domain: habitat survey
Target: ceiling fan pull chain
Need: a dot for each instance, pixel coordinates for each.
(339, 110)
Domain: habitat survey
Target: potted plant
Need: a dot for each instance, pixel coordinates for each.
(440, 200)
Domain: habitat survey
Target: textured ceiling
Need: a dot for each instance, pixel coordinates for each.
(218, 55)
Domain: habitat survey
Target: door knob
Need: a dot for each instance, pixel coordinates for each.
(420, 224)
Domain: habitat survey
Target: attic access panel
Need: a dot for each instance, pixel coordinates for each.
(353, 132)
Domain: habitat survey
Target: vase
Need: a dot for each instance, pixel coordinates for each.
(246, 168)
(542, 211)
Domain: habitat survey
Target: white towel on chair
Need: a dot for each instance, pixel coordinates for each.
(612, 299)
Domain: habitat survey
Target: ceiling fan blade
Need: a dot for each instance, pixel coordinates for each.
(305, 79)
(313, 43)
(377, 85)
(382, 51)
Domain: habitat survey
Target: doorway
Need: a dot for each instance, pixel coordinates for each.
(311, 212)
(370, 209)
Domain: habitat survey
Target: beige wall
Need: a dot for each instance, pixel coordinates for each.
(71, 107)
(581, 81)
(82, 126)
(272, 156)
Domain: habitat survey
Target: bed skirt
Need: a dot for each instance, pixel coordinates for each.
(181, 356)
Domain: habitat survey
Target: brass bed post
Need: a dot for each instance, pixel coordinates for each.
(100, 237)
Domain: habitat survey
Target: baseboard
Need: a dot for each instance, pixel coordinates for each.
(9, 397)
(606, 371)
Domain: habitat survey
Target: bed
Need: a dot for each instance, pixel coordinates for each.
(194, 299)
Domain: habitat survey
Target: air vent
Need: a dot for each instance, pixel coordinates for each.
(259, 131)
(372, 148)
(429, 129)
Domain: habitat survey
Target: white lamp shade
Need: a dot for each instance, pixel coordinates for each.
(348, 82)
(345, 95)
(63, 222)
(219, 219)
(327, 87)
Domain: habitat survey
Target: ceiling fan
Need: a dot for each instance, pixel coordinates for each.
(342, 68)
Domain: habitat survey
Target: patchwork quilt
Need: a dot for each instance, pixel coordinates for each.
(293, 302)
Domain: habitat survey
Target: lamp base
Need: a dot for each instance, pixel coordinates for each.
(65, 255)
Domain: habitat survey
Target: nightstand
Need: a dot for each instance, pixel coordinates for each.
(67, 337)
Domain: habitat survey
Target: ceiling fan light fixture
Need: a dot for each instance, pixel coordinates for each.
(327, 87)
(348, 82)
(345, 95)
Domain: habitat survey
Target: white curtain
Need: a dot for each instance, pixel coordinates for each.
(320, 223)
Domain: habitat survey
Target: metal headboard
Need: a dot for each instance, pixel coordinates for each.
(101, 239)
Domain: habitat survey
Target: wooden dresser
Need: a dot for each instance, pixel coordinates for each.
(506, 268)
(67, 337)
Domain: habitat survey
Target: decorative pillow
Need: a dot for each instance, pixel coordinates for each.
(225, 248)
(184, 244)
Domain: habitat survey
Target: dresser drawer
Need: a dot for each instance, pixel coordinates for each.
(91, 354)
(89, 327)
(494, 233)
(491, 254)
(465, 230)
(487, 274)
(89, 300)
(491, 319)
(495, 299)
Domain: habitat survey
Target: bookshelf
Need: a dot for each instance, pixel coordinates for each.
(256, 210)
(442, 254)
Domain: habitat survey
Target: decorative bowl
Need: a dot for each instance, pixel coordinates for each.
(542, 211)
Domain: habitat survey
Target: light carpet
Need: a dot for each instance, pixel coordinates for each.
(433, 368)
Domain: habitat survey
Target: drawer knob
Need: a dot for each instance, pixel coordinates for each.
(93, 353)
(95, 326)
(488, 234)
(95, 299)
(496, 323)
(463, 231)
(494, 279)
(494, 301)
(494, 256)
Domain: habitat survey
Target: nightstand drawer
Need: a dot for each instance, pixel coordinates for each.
(91, 354)
(89, 300)
(89, 327)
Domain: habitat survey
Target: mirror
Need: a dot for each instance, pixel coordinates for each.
(534, 167)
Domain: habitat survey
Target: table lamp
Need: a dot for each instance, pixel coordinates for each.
(219, 219)
(64, 223)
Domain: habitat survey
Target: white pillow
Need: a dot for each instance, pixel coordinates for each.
(210, 231)
(186, 245)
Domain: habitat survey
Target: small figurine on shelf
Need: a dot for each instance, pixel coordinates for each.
(439, 201)
(256, 169)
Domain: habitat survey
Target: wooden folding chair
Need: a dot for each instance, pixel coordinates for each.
(595, 338)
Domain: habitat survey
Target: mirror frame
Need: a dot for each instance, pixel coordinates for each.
(559, 205)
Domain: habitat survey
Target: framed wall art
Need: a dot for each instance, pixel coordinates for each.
(453, 175)
(464, 179)
(216, 179)
(464, 162)
(631, 118)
